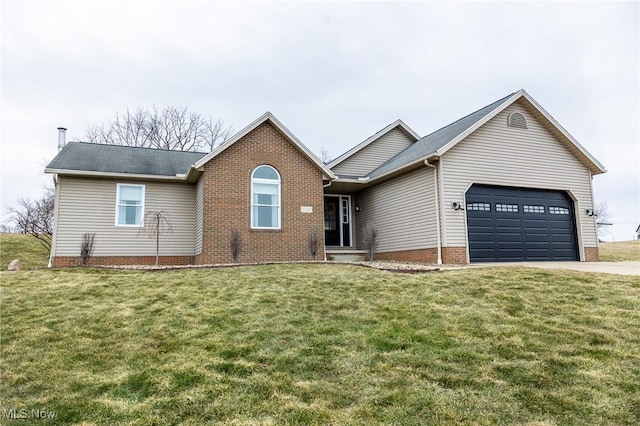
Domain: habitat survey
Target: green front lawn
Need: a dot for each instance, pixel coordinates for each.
(318, 344)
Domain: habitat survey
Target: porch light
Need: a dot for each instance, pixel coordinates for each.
(357, 209)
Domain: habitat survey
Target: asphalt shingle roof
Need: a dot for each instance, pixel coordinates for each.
(434, 141)
(123, 159)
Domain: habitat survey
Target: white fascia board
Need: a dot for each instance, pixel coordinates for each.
(480, 123)
(376, 136)
(266, 116)
(91, 173)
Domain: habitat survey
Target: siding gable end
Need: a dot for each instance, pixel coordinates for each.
(375, 153)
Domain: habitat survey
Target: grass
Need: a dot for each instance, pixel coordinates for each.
(620, 251)
(321, 344)
(31, 253)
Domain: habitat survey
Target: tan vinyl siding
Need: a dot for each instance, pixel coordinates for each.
(89, 205)
(374, 154)
(403, 209)
(199, 215)
(500, 155)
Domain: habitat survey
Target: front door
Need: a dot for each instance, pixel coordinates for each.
(337, 223)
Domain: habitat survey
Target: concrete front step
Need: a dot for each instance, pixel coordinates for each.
(346, 257)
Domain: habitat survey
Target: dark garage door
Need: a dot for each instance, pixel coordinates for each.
(515, 224)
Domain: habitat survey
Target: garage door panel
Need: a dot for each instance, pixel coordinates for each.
(567, 254)
(521, 224)
(538, 254)
(507, 223)
(536, 223)
(511, 253)
(486, 222)
(483, 255)
(509, 238)
(536, 238)
(560, 225)
(484, 237)
(560, 238)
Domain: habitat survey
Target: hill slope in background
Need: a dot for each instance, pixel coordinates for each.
(31, 253)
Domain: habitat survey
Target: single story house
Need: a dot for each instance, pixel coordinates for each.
(504, 183)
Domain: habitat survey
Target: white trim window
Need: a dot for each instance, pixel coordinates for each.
(129, 205)
(265, 198)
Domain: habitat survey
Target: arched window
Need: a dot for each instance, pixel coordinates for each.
(265, 198)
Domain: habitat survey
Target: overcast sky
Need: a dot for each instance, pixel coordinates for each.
(333, 73)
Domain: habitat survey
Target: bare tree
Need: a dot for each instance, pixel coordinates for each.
(235, 244)
(157, 223)
(35, 217)
(370, 239)
(325, 156)
(313, 243)
(174, 128)
(603, 219)
(86, 247)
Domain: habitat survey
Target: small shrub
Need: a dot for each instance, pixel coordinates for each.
(235, 244)
(370, 239)
(86, 248)
(313, 243)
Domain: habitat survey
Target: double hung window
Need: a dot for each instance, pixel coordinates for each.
(129, 205)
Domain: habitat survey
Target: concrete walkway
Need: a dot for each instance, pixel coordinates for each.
(620, 268)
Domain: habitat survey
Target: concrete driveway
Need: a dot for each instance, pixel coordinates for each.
(620, 268)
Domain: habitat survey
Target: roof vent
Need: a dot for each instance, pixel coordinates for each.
(516, 119)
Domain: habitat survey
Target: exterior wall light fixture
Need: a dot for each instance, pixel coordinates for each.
(457, 206)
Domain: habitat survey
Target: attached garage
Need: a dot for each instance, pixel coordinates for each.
(507, 224)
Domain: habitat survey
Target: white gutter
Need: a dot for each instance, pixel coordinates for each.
(91, 173)
(437, 199)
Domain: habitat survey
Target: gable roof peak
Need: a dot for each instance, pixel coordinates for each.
(281, 128)
(377, 135)
(439, 142)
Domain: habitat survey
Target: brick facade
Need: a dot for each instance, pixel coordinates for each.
(69, 261)
(227, 200)
(454, 255)
(591, 254)
(429, 255)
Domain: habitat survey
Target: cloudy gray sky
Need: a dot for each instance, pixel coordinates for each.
(333, 72)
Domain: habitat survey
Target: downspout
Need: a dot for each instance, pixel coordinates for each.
(56, 205)
(437, 200)
(324, 242)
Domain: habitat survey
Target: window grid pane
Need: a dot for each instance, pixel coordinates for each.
(533, 209)
(484, 207)
(509, 208)
(558, 210)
